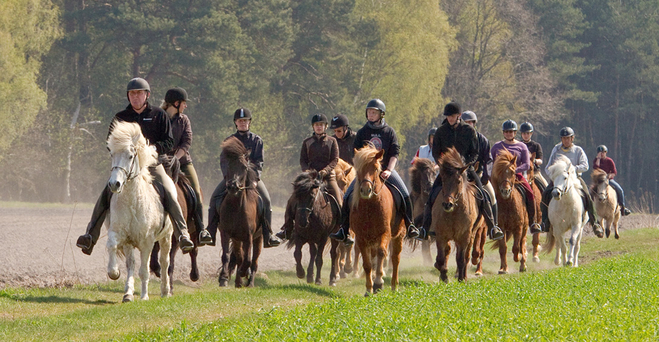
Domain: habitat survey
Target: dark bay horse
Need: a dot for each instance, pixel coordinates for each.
(455, 214)
(239, 233)
(537, 197)
(422, 175)
(315, 218)
(606, 202)
(513, 219)
(374, 219)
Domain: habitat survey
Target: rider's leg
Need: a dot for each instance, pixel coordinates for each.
(269, 240)
(424, 230)
(621, 197)
(88, 240)
(590, 207)
(344, 232)
(289, 220)
(172, 207)
(395, 180)
(530, 205)
(214, 209)
(486, 209)
(493, 201)
(204, 236)
(540, 181)
(544, 206)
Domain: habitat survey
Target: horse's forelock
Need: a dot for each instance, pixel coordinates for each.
(417, 171)
(366, 156)
(233, 149)
(303, 184)
(127, 134)
(451, 159)
(561, 164)
(501, 163)
(598, 176)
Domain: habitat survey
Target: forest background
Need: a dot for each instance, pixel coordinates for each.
(64, 66)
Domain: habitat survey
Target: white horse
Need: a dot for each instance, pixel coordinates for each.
(606, 205)
(137, 217)
(566, 213)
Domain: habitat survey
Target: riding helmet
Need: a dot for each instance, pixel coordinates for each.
(452, 108)
(138, 83)
(432, 131)
(339, 121)
(602, 148)
(526, 127)
(242, 113)
(469, 116)
(176, 94)
(566, 132)
(509, 125)
(319, 118)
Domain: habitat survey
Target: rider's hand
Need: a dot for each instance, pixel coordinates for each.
(322, 174)
(385, 174)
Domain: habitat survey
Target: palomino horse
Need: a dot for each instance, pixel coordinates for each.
(137, 217)
(239, 226)
(606, 204)
(422, 175)
(566, 213)
(345, 173)
(455, 214)
(315, 219)
(537, 197)
(374, 219)
(513, 218)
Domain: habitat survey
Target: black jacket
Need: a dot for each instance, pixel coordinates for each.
(346, 146)
(383, 138)
(463, 137)
(155, 125)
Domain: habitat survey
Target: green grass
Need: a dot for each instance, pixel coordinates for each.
(612, 298)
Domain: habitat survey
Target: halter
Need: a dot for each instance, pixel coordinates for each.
(372, 184)
(129, 172)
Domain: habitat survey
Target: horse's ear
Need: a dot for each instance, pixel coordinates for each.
(514, 161)
(476, 165)
(462, 169)
(379, 155)
(347, 171)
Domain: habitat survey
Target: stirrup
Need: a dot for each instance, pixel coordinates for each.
(535, 228)
(205, 238)
(496, 234)
(412, 231)
(273, 241)
(281, 235)
(340, 235)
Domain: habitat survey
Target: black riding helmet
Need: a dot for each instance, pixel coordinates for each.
(566, 132)
(138, 83)
(376, 104)
(509, 125)
(602, 148)
(526, 127)
(242, 113)
(339, 121)
(432, 131)
(319, 118)
(176, 94)
(452, 108)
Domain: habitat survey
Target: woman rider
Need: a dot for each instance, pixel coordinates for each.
(383, 137)
(242, 119)
(607, 165)
(175, 103)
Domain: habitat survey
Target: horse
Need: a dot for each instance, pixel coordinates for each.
(374, 219)
(537, 197)
(345, 173)
(185, 198)
(315, 219)
(566, 213)
(137, 216)
(606, 205)
(239, 225)
(513, 218)
(455, 214)
(422, 175)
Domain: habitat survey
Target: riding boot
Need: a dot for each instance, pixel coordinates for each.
(530, 210)
(289, 220)
(268, 239)
(205, 237)
(494, 231)
(544, 207)
(87, 241)
(175, 214)
(343, 234)
(424, 230)
(412, 231)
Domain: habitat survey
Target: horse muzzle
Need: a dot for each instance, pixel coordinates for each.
(506, 192)
(556, 194)
(117, 181)
(366, 191)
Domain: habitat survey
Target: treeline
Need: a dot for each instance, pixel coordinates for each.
(65, 65)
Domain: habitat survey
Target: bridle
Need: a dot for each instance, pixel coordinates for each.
(134, 166)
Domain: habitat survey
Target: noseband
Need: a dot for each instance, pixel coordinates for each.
(128, 172)
(372, 185)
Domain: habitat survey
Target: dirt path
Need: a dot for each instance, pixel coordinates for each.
(39, 249)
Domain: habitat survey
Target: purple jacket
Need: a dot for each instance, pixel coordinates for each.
(518, 149)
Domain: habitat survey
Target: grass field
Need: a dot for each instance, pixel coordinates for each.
(612, 296)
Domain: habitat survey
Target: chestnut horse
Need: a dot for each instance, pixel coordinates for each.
(606, 201)
(455, 214)
(537, 197)
(513, 219)
(345, 173)
(314, 221)
(239, 225)
(422, 175)
(374, 219)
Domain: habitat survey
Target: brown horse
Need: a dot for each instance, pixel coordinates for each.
(606, 205)
(315, 218)
(422, 175)
(239, 224)
(345, 173)
(455, 214)
(513, 218)
(537, 197)
(374, 219)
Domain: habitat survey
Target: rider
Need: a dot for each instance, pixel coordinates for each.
(578, 158)
(425, 151)
(607, 165)
(344, 136)
(527, 132)
(455, 133)
(157, 129)
(320, 153)
(175, 104)
(519, 149)
(383, 137)
(484, 161)
(242, 119)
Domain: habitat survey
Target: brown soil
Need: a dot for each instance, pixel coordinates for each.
(39, 249)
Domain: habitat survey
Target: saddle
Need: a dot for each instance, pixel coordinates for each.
(521, 190)
(336, 208)
(397, 196)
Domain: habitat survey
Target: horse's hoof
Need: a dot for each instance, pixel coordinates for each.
(127, 298)
(522, 269)
(608, 232)
(377, 288)
(156, 271)
(114, 275)
(367, 294)
(568, 264)
(310, 279)
(319, 282)
(224, 282)
(239, 285)
(332, 283)
(478, 273)
(536, 259)
(503, 272)
(347, 269)
(617, 236)
(194, 276)
(300, 272)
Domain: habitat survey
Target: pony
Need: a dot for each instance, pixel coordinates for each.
(537, 197)
(374, 219)
(513, 218)
(239, 225)
(137, 216)
(345, 173)
(455, 214)
(315, 219)
(566, 213)
(606, 205)
(422, 175)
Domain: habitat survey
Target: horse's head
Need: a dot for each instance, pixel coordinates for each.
(600, 184)
(306, 189)
(422, 175)
(454, 178)
(367, 163)
(564, 177)
(239, 173)
(503, 173)
(129, 152)
(345, 173)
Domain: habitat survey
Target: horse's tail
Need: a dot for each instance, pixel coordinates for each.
(548, 246)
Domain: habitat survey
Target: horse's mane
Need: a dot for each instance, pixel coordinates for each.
(451, 159)
(561, 164)
(126, 134)
(366, 156)
(233, 151)
(598, 176)
(304, 183)
(501, 164)
(420, 167)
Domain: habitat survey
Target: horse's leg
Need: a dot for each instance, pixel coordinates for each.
(536, 247)
(145, 254)
(349, 266)
(319, 260)
(113, 267)
(380, 256)
(170, 269)
(443, 250)
(563, 250)
(257, 246)
(194, 269)
(522, 250)
(226, 251)
(461, 257)
(297, 254)
(355, 262)
(367, 265)
(503, 249)
(335, 255)
(166, 258)
(154, 265)
(616, 218)
(425, 252)
(479, 248)
(397, 248)
(577, 247)
(575, 235)
(129, 289)
(313, 251)
(246, 262)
